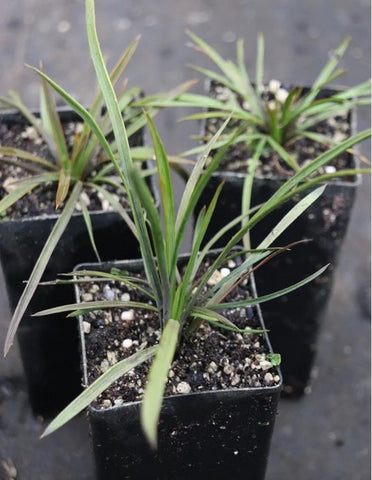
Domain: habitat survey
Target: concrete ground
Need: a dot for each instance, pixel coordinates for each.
(324, 435)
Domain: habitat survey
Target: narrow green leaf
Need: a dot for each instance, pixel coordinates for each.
(334, 75)
(325, 74)
(247, 189)
(166, 192)
(317, 106)
(239, 83)
(196, 100)
(116, 72)
(99, 386)
(179, 310)
(24, 155)
(220, 321)
(191, 193)
(323, 114)
(41, 264)
(153, 217)
(52, 122)
(228, 227)
(105, 170)
(39, 179)
(88, 224)
(84, 114)
(240, 59)
(283, 193)
(117, 208)
(282, 152)
(170, 95)
(198, 224)
(320, 179)
(270, 296)
(153, 396)
(214, 76)
(208, 314)
(93, 306)
(332, 63)
(363, 89)
(142, 153)
(290, 101)
(198, 189)
(294, 213)
(114, 275)
(233, 113)
(218, 293)
(63, 186)
(230, 139)
(320, 138)
(125, 165)
(15, 195)
(16, 102)
(107, 90)
(224, 66)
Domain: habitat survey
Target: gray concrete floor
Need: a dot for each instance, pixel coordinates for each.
(325, 435)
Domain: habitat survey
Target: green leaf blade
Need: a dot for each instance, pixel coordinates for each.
(89, 227)
(15, 195)
(294, 213)
(125, 165)
(41, 264)
(52, 123)
(153, 396)
(97, 387)
(24, 155)
(93, 306)
(166, 192)
(270, 296)
(64, 181)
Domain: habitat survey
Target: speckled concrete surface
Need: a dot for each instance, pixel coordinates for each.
(325, 435)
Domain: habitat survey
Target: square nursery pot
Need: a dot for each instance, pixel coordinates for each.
(293, 320)
(223, 433)
(50, 346)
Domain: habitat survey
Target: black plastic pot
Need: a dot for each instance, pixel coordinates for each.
(294, 320)
(221, 433)
(50, 346)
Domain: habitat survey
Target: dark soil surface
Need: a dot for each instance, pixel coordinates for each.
(211, 359)
(303, 150)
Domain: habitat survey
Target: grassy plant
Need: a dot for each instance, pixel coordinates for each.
(270, 113)
(86, 165)
(85, 159)
(180, 298)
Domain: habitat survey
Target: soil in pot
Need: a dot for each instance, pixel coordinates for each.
(52, 376)
(293, 320)
(211, 366)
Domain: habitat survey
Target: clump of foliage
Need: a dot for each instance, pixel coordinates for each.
(84, 165)
(180, 299)
(269, 112)
(75, 169)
